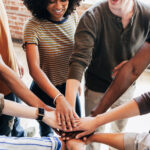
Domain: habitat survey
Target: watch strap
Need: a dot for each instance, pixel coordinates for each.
(41, 113)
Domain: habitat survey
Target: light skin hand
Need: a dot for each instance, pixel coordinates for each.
(20, 69)
(87, 125)
(51, 120)
(65, 114)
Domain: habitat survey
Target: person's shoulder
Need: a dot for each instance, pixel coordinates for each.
(144, 6)
(143, 9)
(74, 16)
(33, 21)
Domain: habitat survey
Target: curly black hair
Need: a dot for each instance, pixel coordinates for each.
(38, 8)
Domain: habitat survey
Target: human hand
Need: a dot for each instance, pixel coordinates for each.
(49, 108)
(95, 111)
(91, 138)
(69, 135)
(66, 115)
(80, 90)
(75, 144)
(20, 69)
(51, 120)
(87, 125)
(117, 68)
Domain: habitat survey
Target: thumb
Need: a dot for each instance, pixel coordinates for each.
(75, 115)
(78, 136)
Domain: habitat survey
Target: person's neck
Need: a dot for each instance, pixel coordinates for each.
(125, 10)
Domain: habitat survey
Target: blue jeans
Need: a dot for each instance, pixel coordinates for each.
(8, 125)
(45, 130)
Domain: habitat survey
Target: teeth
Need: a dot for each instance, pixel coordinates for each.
(58, 11)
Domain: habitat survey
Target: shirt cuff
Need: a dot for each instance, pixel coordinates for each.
(76, 71)
(143, 102)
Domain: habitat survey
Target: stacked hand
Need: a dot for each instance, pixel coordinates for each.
(66, 115)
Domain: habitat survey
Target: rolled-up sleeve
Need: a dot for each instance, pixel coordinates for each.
(143, 102)
(1, 103)
(30, 33)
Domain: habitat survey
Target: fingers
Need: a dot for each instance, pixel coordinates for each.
(21, 71)
(63, 122)
(117, 68)
(67, 121)
(58, 118)
(82, 134)
(79, 90)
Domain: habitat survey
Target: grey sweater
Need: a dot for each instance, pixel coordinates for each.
(101, 43)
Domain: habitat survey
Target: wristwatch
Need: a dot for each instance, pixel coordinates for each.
(41, 113)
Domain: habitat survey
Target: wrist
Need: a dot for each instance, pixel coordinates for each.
(40, 114)
(56, 98)
(98, 120)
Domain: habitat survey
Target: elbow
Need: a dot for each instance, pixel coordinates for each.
(135, 74)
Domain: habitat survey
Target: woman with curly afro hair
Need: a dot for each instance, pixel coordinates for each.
(48, 42)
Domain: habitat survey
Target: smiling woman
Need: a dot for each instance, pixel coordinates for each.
(48, 41)
(57, 9)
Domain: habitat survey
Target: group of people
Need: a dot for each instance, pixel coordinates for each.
(109, 45)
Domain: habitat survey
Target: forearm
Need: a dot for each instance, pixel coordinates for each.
(114, 140)
(19, 88)
(127, 110)
(24, 111)
(43, 82)
(127, 75)
(124, 79)
(72, 86)
(19, 110)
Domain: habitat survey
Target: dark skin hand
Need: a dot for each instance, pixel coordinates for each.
(71, 135)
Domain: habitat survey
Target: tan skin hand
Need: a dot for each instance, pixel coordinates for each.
(65, 114)
(20, 69)
(87, 125)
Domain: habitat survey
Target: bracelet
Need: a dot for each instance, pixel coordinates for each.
(41, 113)
(54, 102)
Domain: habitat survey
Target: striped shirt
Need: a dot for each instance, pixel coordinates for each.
(55, 42)
(28, 143)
